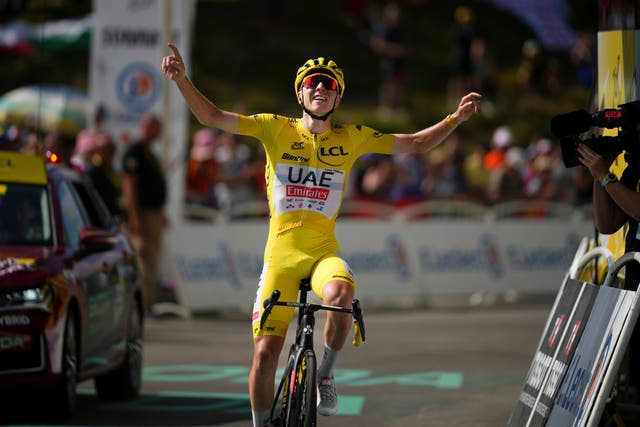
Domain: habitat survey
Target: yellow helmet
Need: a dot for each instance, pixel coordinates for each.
(322, 66)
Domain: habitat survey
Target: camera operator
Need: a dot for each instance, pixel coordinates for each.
(616, 203)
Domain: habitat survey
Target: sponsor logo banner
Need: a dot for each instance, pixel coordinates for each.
(564, 328)
(581, 386)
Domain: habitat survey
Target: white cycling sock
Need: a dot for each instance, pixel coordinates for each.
(260, 417)
(329, 358)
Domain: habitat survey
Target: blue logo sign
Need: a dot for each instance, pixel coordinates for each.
(138, 86)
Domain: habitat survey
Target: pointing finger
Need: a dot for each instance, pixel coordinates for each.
(175, 51)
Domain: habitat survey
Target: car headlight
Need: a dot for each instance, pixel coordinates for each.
(42, 295)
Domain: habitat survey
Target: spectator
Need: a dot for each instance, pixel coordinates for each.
(501, 140)
(537, 148)
(238, 169)
(483, 71)
(144, 191)
(477, 176)
(83, 151)
(99, 117)
(11, 138)
(542, 186)
(506, 183)
(102, 174)
(462, 35)
(536, 73)
(446, 178)
(408, 185)
(583, 56)
(32, 145)
(436, 184)
(203, 172)
(389, 41)
(88, 140)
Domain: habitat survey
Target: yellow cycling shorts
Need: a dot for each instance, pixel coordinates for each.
(290, 257)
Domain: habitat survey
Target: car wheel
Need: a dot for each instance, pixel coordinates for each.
(125, 382)
(63, 400)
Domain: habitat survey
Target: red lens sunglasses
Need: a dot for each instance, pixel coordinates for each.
(312, 81)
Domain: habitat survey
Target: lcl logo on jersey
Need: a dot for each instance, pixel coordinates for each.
(332, 156)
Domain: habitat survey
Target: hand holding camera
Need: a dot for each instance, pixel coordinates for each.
(569, 127)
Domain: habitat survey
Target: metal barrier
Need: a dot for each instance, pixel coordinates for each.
(415, 211)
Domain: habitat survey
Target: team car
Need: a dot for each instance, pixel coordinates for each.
(70, 289)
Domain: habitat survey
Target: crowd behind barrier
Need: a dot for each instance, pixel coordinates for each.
(225, 172)
(462, 179)
(468, 179)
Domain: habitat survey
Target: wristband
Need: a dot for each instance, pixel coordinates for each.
(608, 179)
(448, 120)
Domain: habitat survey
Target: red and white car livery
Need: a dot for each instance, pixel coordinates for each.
(70, 291)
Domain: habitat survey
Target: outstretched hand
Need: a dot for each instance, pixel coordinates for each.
(470, 104)
(173, 65)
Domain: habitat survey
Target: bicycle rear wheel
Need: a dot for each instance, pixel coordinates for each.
(301, 405)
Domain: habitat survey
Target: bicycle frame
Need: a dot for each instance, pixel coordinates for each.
(302, 358)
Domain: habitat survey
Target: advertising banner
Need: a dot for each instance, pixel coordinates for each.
(581, 385)
(128, 43)
(557, 345)
(219, 263)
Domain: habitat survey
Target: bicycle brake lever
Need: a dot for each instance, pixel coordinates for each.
(268, 305)
(275, 296)
(358, 323)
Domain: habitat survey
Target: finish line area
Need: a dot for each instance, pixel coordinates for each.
(462, 366)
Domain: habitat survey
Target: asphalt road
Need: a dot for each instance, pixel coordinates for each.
(435, 367)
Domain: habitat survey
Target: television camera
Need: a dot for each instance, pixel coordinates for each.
(571, 128)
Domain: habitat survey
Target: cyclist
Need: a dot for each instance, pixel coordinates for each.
(308, 164)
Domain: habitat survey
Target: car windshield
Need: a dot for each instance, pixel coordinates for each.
(24, 215)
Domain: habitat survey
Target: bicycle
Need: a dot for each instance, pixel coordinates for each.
(297, 392)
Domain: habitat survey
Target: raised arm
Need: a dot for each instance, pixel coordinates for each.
(207, 113)
(428, 138)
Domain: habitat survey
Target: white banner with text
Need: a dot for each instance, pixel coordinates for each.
(218, 264)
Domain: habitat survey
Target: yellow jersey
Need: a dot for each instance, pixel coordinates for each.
(307, 173)
(307, 176)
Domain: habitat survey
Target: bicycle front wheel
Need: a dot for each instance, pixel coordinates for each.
(301, 410)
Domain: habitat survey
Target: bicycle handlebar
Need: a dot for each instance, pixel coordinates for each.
(355, 311)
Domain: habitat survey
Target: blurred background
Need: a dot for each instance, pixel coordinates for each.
(407, 63)
(248, 51)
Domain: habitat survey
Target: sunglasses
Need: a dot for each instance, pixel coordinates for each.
(312, 81)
